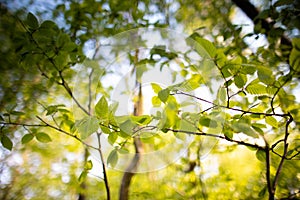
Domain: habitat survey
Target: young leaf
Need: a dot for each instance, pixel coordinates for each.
(112, 137)
(101, 109)
(88, 165)
(163, 95)
(141, 120)
(87, 126)
(82, 176)
(6, 142)
(127, 127)
(256, 89)
(112, 158)
(156, 101)
(156, 88)
(27, 138)
(271, 121)
(43, 137)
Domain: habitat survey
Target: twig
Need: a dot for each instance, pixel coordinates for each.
(285, 150)
(230, 108)
(217, 136)
(103, 167)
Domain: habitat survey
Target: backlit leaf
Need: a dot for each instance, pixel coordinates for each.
(163, 95)
(43, 137)
(112, 158)
(27, 138)
(87, 126)
(101, 109)
(271, 121)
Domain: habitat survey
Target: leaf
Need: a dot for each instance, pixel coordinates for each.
(112, 137)
(207, 122)
(156, 88)
(141, 120)
(140, 69)
(101, 109)
(27, 138)
(155, 101)
(127, 127)
(256, 89)
(261, 155)
(262, 192)
(240, 80)
(82, 176)
(32, 21)
(294, 58)
(222, 95)
(6, 142)
(87, 126)
(88, 165)
(283, 2)
(163, 95)
(43, 137)
(265, 75)
(271, 121)
(241, 127)
(112, 158)
(204, 47)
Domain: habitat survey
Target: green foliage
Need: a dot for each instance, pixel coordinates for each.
(252, 101)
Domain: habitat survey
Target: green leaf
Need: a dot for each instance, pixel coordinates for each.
(262, 192)
(127, 127)
(27, 138)
(207, 122)
(271, 121)
(32, 21)
(112, 158)
(163, 95)
(88, 165)
(87, 126)
(43, 137)
(141, 120)
(156, 88)
(265, 75)
(6, 142)
(261, 155)
(112, 137)
(82, 176)
(256, 89)
(222, 95)
(241, 127)
(240, 80)
(156, 101)
(204, 47)
(101, 109)
(294, 59)
(283, 2)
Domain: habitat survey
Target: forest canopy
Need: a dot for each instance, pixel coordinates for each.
(173, 99)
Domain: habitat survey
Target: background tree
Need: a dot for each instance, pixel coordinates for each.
(254, 116)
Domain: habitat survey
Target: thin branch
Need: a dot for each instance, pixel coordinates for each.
(230, 108)
(285, 150)
(217, 136)
(90, 91)
(103, 167)
(63, 82)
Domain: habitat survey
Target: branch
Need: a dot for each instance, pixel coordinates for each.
(230, 108)
(103, 167)
(285, 150)
(218, 136)
(251, 11)
(63, 82)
